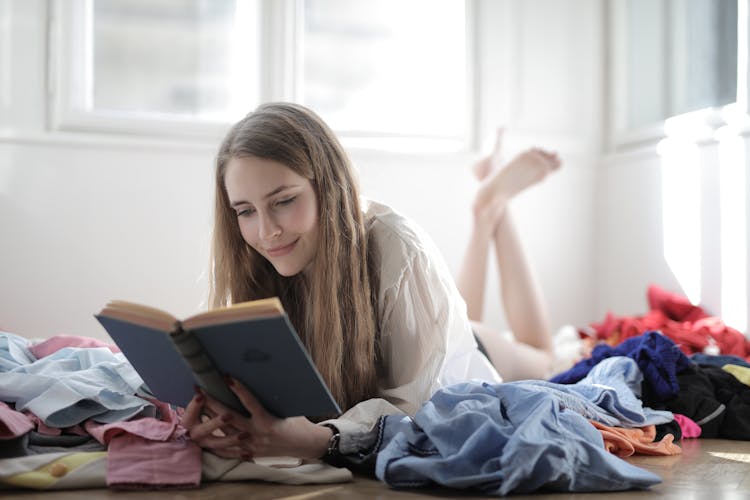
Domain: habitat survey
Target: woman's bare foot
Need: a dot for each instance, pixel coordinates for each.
(491, 162)
(528, 168)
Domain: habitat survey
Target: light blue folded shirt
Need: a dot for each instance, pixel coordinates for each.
(71, 385)
(500, 439)
(608, 394)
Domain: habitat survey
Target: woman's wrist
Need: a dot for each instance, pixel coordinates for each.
(332, 450)
(321, 440)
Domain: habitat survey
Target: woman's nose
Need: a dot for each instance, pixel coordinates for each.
(269, 228)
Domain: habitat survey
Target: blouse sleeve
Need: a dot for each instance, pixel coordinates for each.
(426, 338)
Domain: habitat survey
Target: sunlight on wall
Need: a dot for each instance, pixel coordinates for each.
(732, 162)
(681, 212)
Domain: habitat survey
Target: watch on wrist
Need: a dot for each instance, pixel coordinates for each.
(333, 443)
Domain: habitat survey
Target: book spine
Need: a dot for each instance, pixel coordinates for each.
(208, 376)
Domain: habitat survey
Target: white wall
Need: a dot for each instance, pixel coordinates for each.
(86, 218)
(632, 233)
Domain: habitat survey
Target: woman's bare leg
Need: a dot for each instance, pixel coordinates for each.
(530, 354)
(473, 272)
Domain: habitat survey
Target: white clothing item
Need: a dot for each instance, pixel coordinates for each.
(426, 338)
(77, 470)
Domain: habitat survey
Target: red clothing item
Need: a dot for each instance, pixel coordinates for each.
(689, 326)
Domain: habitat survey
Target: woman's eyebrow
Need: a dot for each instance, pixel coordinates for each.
(265, 197)
(278, 190)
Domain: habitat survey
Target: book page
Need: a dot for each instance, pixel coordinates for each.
(263, 308)
(139, 314)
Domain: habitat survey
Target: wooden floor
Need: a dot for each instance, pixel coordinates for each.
(707, 468)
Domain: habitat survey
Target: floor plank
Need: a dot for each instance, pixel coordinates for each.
(707, 468)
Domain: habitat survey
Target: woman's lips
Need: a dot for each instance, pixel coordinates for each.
(282, 250)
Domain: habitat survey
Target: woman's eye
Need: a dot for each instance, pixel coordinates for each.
(286, 201)
(245, 212)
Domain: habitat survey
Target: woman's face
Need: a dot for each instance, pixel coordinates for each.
(277, 211)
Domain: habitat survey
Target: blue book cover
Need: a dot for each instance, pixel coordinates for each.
(263, 353)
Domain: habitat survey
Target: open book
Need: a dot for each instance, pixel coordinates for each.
(254, 342)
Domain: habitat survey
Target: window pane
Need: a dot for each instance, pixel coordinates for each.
(647, 62)
(682, 57)
(185, 57)
(387, 66)
(710, 40)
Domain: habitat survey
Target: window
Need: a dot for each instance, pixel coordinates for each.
(671, 57)
(685, 76)
(386, 69)
(182, 58)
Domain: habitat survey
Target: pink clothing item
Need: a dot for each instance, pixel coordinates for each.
(13, 423)
(41, 427)
(54, 344)
(688, 427)
(137, 463)
(149, 453)
(146, 427)
(625, 442)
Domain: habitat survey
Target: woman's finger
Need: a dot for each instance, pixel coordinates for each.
(193, 411)
(241, 440)
(235, 421)
(208, 427)
(247, 399)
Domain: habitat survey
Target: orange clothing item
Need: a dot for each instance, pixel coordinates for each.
(625, 442)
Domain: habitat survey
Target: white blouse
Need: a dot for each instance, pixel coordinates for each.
(426, 338)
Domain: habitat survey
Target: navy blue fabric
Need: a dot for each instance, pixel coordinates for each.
(500, 439)
(658, 357)
(718, 360)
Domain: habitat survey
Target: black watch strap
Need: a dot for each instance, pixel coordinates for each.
(333, 443)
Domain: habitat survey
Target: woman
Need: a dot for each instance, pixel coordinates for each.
(366, 289)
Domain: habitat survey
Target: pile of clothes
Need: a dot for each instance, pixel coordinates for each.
(647, 382)
(74, 413)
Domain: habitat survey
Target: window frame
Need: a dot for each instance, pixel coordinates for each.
(70, 49)
(622, 136)
(280, 66)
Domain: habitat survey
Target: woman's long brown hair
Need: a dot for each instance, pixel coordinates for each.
(334, 306)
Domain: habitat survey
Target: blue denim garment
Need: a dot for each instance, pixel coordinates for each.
(608, 394)
(500, 439)
(71, 385)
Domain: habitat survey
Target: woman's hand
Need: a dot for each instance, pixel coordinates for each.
(230, 434)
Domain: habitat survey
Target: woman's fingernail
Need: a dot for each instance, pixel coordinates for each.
(199, 398)
(229, 380)
(227, 417)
